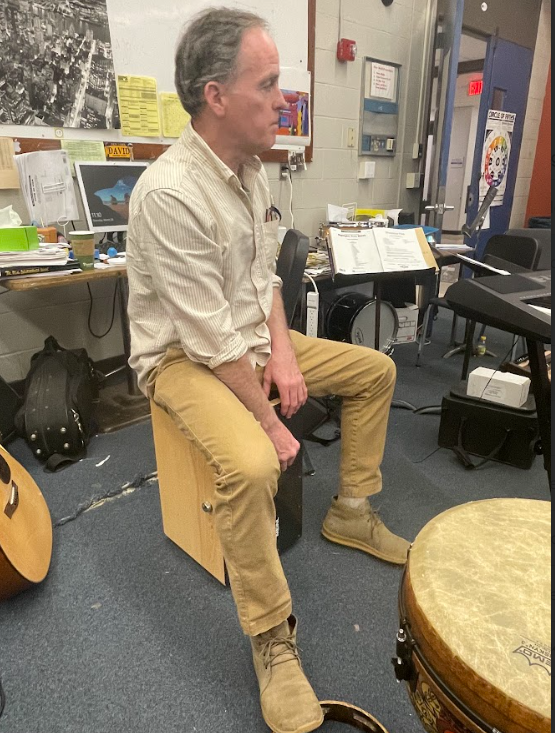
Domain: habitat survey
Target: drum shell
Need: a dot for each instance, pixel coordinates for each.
(439, 705)
(346, 311)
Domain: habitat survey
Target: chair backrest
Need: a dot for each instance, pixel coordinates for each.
(517, 250)
(543, 238)
(290, 268)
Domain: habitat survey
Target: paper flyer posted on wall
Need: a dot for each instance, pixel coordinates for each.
(56, 65)
(497, 154)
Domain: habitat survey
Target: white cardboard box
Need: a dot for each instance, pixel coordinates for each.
(503, 388)
(408, 324)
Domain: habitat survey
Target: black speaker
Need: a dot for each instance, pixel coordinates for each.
(9, 405)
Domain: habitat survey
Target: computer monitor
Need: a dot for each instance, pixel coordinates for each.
(106, 189)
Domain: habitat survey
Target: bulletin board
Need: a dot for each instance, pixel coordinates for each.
(143, 38)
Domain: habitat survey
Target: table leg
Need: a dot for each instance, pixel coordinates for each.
(378, 294)
(469, 348)
(123, 295)
(542, 392)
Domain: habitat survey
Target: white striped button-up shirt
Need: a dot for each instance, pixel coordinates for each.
(200, 259)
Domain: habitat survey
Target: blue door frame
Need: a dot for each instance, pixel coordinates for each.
(507, 73)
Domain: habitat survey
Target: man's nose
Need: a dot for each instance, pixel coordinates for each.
(281, 102)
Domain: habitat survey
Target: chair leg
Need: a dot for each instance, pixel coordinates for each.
(423, 334)
(309, 469)
(453, 337)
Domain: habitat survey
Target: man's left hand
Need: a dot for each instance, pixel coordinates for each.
(283, 371)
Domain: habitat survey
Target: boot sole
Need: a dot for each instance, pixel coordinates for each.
(308, 728)
(356, 545)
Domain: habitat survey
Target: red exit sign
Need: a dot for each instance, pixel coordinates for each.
(475, 88)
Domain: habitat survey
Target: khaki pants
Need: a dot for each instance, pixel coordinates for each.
(245, 462)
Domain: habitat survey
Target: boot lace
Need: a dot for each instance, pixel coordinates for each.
(279, 651)
(373, 520)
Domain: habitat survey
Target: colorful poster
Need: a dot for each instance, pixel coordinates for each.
(56, 66)
(497, 154)
(294, 120)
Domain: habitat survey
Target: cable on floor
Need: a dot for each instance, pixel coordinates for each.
(82, 508)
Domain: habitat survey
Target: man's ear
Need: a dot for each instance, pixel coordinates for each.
(214, 96)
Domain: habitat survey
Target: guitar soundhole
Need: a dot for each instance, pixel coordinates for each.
(5, 471)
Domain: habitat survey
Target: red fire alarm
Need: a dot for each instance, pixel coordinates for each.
(346, 50)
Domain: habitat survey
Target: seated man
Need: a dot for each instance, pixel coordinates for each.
(209, 340)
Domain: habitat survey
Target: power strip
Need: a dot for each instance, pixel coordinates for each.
(312, 308)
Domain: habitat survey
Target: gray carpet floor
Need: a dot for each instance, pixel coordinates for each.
(128, 634)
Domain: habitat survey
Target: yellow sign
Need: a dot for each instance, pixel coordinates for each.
(138, 106)
(85, 150)
(118, 151)
(174, 117)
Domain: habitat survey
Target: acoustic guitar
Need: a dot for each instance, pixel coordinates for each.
(25, 529)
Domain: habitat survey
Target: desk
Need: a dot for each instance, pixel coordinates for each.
(133, 408)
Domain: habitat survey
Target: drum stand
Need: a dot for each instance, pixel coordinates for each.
(357, 718)
(400, 404)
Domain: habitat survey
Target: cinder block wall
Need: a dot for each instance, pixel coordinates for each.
(395, 34)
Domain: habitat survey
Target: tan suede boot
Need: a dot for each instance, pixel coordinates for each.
(363, 529)
(288, 702)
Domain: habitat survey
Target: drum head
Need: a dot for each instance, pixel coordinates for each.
(363, 326)
(478, 588)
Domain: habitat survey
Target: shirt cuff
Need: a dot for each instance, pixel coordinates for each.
(277, 282)
(233, 352)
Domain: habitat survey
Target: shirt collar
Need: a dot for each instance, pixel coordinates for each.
(192, 141)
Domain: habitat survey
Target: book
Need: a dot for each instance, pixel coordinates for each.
(379, 250)
(27, 270)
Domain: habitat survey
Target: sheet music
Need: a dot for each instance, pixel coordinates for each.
(399, 250)
(354, 252)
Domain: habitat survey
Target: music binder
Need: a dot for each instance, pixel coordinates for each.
(378, 250)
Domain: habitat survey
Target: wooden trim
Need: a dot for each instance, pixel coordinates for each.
(32, 144)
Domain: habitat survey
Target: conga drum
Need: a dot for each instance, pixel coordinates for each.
(475, 608)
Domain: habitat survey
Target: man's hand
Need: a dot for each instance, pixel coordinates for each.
(285, 444)
(240, 377)
(283, 371)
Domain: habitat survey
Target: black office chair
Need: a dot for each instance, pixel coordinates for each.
(506, 252)
(543, 238)
(290, 267)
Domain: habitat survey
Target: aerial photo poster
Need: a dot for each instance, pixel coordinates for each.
(56, 65)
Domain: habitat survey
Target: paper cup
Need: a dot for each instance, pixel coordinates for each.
(82, 244)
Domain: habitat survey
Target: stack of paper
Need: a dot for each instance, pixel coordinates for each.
(48, 258)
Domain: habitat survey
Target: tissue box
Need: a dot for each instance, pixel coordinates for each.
(18, 239)
(408, 324)
(503, 388)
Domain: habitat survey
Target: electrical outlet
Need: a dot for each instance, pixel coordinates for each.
(351, 141)
(312, 308)
(284, 171)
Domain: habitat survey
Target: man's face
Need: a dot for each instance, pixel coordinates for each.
(253, 100)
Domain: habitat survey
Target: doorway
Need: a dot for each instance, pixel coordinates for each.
(470, 81)
(462, 33)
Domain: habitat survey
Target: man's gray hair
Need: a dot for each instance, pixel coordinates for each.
(208, 51)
